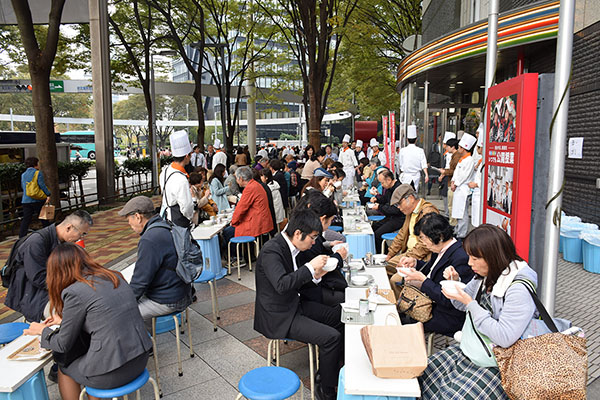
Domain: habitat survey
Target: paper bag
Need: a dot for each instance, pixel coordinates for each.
(47, 212)
(396, 352)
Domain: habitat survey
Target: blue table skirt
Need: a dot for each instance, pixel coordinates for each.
(341, 395)
(34, 388)
(360, 245)
(211, 250)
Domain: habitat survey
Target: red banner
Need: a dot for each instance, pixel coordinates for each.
(385, 141)
(510, 141)
(392, 140)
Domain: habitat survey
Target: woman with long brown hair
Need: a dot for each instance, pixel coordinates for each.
(101, 341)
(499, 309)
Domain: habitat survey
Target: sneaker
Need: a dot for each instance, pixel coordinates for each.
(53, 374)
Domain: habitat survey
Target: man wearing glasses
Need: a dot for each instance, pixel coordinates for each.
(280, 313)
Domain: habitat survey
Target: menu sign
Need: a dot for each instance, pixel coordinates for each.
(510, 150)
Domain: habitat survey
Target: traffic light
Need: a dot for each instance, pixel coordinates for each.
(24, 88)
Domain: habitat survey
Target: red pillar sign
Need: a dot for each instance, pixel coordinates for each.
(509, 158)
(392, 140)
(385, 132)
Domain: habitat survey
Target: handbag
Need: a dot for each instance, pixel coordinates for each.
(548, 366)
(414, 303)
(474, 344)
(33, 190)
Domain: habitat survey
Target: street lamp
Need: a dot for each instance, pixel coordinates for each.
(221, 48)
(152, 136)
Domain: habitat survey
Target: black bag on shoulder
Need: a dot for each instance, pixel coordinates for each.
(12, 264)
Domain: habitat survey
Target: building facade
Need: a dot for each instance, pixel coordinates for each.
(442, 82)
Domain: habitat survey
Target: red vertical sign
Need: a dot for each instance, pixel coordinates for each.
(392, 140)
(509, 157)
(386, 149)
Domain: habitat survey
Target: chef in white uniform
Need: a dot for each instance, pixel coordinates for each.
(348, 160)
(358, 150)
(375, 152)
(220, 157)
(475, 184)
(463, 174)
(412, 160)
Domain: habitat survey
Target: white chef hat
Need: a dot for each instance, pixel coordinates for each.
(373, 142)
(217, 143)
(397, 144)
(448, 136)
(359, 143)
(346, 138)
(467, 141)
(180, 144)
(480, 137)
(411, 132)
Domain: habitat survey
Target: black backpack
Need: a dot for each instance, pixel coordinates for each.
(12, 264)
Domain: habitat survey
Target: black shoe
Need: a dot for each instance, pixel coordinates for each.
(53, 374)
(324, 393)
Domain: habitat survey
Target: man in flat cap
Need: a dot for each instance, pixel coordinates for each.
(155, 283)
(406, 243)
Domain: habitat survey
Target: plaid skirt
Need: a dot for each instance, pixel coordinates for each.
(450, 375)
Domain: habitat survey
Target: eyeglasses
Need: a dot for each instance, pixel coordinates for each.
(81, 233)
(313, 237)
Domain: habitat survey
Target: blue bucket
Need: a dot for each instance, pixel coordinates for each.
(560, 244)
(572, 249)
(591, 253)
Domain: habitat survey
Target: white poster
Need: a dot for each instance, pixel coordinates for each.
(402, 117)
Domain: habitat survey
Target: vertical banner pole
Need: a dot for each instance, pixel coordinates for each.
(385, 132)
(558, 139)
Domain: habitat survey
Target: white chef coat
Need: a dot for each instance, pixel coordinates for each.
(380, 155)
(219, 158)
(176, 192)
(476, 196)
(348, 160)
(462, 176)
(412, 161)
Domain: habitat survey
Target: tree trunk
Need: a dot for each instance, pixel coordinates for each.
(199, 108)
(44, 135)
(315, 117)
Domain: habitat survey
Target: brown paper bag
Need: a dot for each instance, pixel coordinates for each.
(47, 212)
(396, 352)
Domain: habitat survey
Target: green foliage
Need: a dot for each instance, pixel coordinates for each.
(165, 160)
(287, 136)
(10, 173)
(137, 165)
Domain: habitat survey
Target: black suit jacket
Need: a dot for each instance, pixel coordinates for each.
(277, 288)
(384, 203)
(279, 177)
(446, 319)
(333, 280)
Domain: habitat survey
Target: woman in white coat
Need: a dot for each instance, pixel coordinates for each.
(475, 184)
(463, 174)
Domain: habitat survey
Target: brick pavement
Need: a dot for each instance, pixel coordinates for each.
(109, 239)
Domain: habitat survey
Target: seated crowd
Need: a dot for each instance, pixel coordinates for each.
(289, 199)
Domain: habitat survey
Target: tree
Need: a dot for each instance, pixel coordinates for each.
(184, 22)
(313, 29)
(40, 60)
(246, 38)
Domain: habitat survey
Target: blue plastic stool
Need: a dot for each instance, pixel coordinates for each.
(207, 276)
(375, 218)
(167, 323)
(240, 240)
(131, 387)
(269, 383)
(313, 353)
(336, 228)
(11, 331)
(386, 236)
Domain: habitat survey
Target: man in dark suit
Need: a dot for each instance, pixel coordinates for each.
(279, 312)
(276, 169)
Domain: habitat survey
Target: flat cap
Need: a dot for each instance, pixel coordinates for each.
(139, 204)
(401, 192)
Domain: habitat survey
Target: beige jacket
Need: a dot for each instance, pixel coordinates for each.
(398, 246)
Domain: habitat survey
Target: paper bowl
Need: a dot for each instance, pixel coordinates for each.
(402, 271)
(359, 280)
(332, 263)
(355, 265)
(379, 258)
(370, 205)
(451, 286)
(208, 222)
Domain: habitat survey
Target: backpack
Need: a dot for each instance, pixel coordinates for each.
(33, 190)
(189, 255)
(12, 264)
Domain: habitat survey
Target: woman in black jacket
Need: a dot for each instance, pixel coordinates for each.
(437, 234)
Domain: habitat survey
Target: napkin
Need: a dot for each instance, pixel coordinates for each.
(352, 305)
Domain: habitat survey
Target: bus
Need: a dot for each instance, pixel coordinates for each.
(85, 141)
